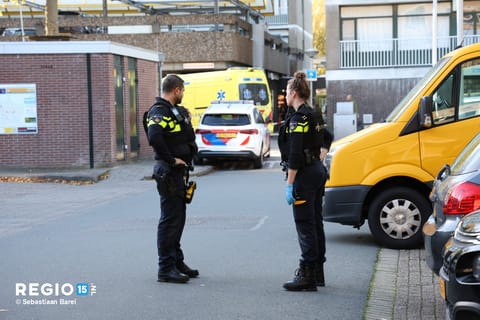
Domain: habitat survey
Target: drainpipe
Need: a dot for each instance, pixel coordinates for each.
(459, 22)
(434, 32)
(303, 27)
(105, 14)
(90, 111)
(21, 21)
(161, 59)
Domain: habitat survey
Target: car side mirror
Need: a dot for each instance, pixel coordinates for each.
(425, 112)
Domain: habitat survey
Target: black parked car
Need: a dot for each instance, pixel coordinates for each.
(455, 193)
(460, 274)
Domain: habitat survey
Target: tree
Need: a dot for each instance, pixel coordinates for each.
(319, 28)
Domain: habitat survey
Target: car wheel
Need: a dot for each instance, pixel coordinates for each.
(258, 162)
(396, 217)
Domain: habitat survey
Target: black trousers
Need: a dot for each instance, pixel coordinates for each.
(309, 185)
(172, 216)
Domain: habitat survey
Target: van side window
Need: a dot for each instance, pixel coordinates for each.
(469, 105)
(443, 108)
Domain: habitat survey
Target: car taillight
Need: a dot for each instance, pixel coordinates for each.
(202, 131)
(249, 131)
(462, 199)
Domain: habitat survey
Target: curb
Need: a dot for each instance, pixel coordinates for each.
(382, 292)
(77, 177)
(57, 178)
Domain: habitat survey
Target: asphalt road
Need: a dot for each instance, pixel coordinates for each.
(100, 240)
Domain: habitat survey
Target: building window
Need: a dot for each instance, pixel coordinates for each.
(471, 18)
(368, 22)
(375, 28)
(400, 34)
(415, 22)
(400, 21)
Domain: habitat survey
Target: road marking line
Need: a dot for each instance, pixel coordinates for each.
(259, 224)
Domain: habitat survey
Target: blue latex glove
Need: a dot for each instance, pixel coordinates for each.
(289, 194)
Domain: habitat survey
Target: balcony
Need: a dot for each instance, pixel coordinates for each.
(280, 19)
(391, 53)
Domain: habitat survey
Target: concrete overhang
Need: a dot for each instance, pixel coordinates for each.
(77, 47)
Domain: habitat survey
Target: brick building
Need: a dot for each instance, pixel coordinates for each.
(89, 100)
(189, 39)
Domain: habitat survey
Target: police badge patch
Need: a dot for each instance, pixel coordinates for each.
(293, 125)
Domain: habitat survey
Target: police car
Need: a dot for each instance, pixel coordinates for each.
(233, 130)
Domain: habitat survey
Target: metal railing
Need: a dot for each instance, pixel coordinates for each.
(355, 54)
(277, 19)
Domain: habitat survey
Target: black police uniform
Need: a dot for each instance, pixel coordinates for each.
(303, 154)
(171, 135)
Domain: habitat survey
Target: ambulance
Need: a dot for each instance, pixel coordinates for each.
(237, 83)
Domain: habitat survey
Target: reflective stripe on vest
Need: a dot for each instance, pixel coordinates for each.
(165, 122)
(301, 127)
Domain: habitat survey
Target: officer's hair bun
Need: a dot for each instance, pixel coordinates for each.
(300, 75)
(300, 85)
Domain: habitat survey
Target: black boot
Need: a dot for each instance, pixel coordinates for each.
(304, 279)
(183, 268)
(319, 275)
(172, 276)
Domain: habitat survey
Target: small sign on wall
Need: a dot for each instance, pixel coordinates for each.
(311, 74)
(367, 118)
(18, 108)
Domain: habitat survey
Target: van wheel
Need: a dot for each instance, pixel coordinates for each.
(258, 162)
(396, 217)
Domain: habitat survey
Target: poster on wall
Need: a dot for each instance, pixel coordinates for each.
(18, 108)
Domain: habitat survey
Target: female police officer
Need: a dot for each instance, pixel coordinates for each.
(306, 178)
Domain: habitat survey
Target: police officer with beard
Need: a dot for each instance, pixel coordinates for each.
(305, 144)
(171, 135)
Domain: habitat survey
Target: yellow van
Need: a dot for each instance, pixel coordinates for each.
(384, 173)
(235, 83)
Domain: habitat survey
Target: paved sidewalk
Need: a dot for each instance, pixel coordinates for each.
(402, 287)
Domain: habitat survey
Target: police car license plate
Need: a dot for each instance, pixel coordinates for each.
(225, 135)
(442, 288)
